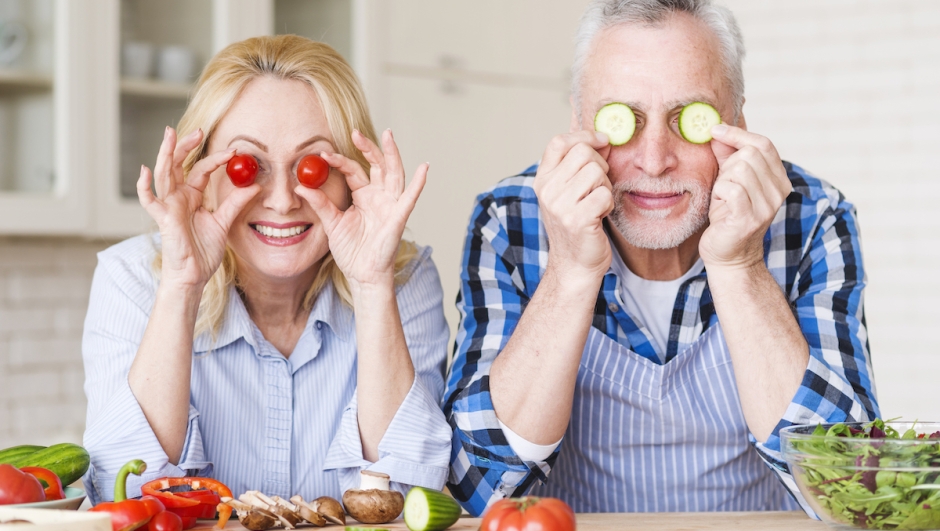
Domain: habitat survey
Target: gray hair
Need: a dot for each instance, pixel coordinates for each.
(603, 14)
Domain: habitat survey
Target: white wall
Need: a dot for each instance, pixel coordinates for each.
(849, 90)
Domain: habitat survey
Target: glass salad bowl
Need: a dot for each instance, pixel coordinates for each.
(873, 475)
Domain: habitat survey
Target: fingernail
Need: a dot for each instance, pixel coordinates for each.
(601, 137)
(166, 132)
(719, 130)
(356, 132)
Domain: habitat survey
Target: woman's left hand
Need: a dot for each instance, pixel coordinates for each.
(364, 238)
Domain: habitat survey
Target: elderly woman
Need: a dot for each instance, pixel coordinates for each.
(272, 336)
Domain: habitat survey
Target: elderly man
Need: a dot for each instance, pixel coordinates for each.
(639, 321)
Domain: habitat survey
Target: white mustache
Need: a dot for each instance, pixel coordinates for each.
(655, 185)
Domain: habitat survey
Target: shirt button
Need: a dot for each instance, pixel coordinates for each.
(613, 307)
(319, 325)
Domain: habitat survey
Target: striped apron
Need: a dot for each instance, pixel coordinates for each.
(647, 437)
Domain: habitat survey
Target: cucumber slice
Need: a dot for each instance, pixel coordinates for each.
(617, 121)
(696, 121)
(430, 510)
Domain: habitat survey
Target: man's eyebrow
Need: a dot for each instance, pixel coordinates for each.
(313, 140)
(634, 105)
(678, 104)
(246, 138)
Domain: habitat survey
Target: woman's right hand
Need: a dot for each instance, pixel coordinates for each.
(192, 237)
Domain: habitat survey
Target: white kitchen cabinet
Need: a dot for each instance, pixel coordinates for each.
(44, 185)
(76, 122)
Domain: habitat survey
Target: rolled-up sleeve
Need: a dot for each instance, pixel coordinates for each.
(827, 298)
(117, 430)
(500, 268)
(415, 449)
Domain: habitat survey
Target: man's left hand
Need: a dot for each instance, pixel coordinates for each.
(749, 190)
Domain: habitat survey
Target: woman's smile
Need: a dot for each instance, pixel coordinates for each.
(280, 234)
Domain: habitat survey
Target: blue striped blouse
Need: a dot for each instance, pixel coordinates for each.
(259, 420)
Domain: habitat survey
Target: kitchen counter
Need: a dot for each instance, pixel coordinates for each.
(769, 521)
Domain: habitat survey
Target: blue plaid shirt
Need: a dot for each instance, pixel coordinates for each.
(811, 249)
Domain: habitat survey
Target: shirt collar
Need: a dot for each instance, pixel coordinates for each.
(236, 324)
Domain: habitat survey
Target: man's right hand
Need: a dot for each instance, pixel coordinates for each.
(575, 195)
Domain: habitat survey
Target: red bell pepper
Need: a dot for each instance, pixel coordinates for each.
(19, 487)
(53, 488)
(192, 504)
(127, 515)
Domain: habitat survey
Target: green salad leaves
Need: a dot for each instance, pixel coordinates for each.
(872, 477)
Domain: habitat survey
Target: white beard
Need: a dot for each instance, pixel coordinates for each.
(652, 230)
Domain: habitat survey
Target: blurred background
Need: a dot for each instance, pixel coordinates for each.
(845, 88)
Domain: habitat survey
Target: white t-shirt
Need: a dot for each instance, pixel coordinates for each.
(650, 303)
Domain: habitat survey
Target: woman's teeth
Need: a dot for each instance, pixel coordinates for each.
(271, 232)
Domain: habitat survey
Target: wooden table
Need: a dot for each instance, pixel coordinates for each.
(757, 521)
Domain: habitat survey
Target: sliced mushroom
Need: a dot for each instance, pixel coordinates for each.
(373, 502)
(254, 518)
(285, 516)
(308, 511)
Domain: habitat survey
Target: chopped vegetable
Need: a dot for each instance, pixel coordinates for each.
(53, 489)
(127, 515)
(617, 121)
(873, 477)
(696, 121)
(201, 487)
(17, 486)
(430, 510)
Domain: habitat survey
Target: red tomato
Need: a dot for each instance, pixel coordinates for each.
(19, 487)
(529, 514)
(165, 521)
(312, 171)
(242, 169)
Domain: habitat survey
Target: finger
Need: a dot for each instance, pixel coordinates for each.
(584, 182)
(201, 172)
(373, 156)
(162, 170)
(394, 172)
(183, 147)
(734, 195)
(233, 204)
(559, 146)
(322, 206)
(351, 170)
(578, 157)
(145, 195)
(409, 198)
(599, 203)
(728, 138)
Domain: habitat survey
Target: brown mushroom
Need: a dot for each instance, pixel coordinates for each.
(373, 502)
(330, 509)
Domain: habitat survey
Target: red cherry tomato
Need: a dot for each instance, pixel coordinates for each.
(312, 171)
(165, 521)
(242, 169)
(547, 514)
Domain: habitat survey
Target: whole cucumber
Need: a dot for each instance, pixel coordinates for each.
(68, 461)
(15, 452)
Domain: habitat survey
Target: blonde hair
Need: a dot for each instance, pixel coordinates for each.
(287, 57)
